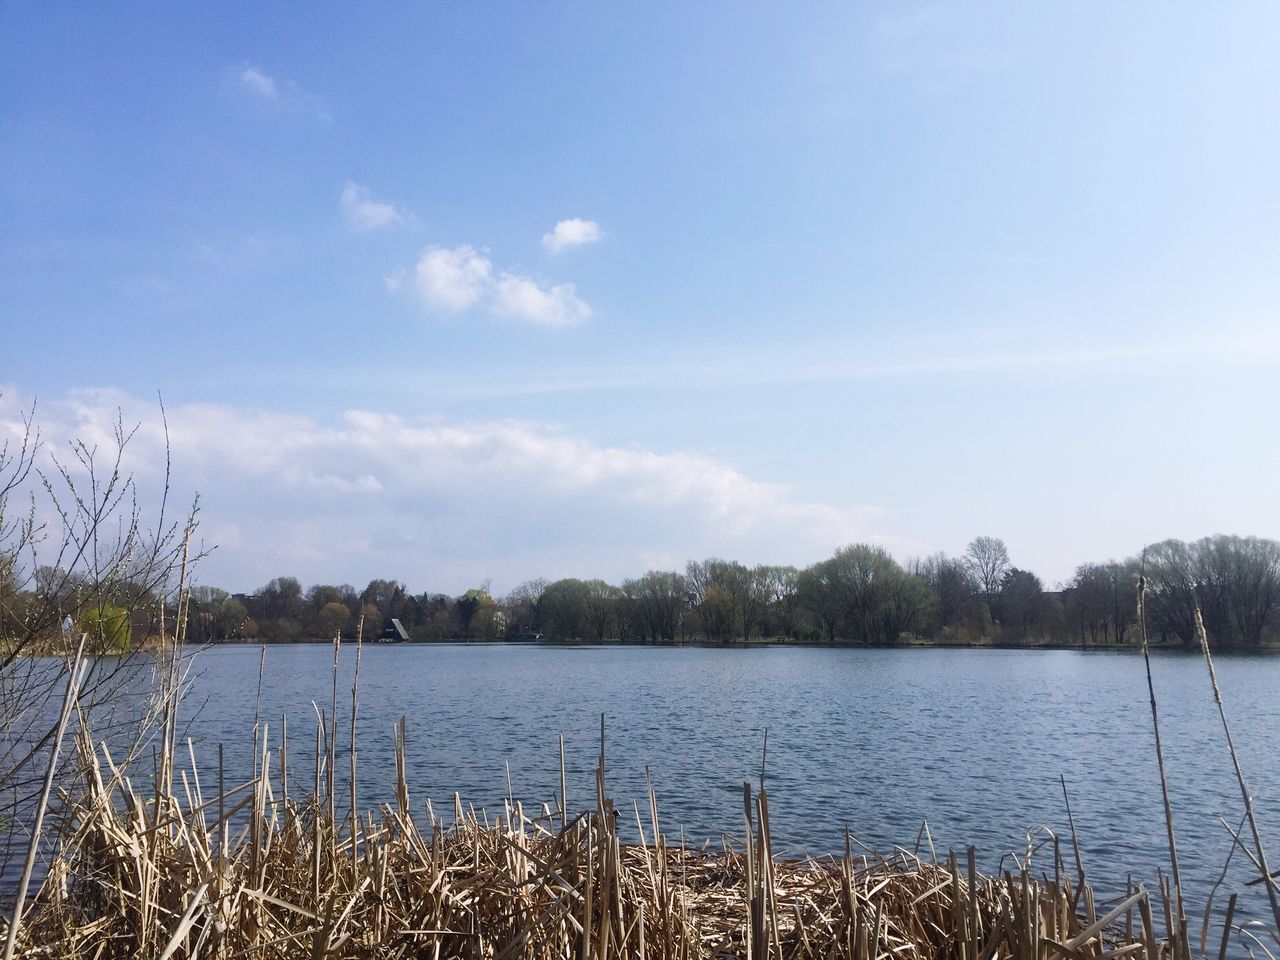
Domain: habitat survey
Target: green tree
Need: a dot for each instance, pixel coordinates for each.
(108, 628)
(863, 590)
(562, 611)
(475, 610)
(282, 598)
(320, 594)
(231, 622)
(373, 620)
(389, 596)
(333, 618)
(818, 591)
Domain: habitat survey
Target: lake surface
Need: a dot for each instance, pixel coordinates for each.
(974, 741)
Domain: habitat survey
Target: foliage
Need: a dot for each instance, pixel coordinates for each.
(108, 626)
(860, 594)
(332, 618)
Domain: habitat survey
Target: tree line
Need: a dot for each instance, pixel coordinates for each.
(860, 594)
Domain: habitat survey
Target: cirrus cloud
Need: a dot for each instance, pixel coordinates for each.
(255, 82)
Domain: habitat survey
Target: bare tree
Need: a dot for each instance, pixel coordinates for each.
(658, 603)
(1099, 600)
(781, 595)
(715, 587)
(880, 601)
(521, 606)
(600, 608)
(989, 561)
(1169, 570)
(953, 583)
(78, 558)
(1021, 602)
(1243, 575)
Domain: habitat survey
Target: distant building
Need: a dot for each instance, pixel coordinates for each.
(393, 631)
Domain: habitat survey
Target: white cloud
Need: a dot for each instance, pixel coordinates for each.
(452, 280)
(462, 278)
(363, 212)
(572, 233)
(255, 81)
(523, 299)
(443, 505)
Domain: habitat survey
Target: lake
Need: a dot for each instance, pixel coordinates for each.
(973, 741)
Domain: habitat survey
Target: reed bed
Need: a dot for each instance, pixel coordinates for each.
(253, 871)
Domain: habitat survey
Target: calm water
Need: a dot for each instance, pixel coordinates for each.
(973, 741)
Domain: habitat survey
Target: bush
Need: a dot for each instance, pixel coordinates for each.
(108, 628)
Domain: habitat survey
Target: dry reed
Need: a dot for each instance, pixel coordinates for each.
(251, 873)
(1177, 918)
(164, 872)
(1246, 796)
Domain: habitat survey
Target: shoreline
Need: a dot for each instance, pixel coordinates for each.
(1264, 650)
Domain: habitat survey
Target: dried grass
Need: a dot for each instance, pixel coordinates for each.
(164, 872)
(171, 873)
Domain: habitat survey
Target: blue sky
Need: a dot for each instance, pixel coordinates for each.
(906, 273)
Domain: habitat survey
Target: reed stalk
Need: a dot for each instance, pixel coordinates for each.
(74, 676)
(1245, 795)
(355, 707)
(1178, 920)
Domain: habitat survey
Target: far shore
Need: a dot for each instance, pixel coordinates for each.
(1267, 648)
